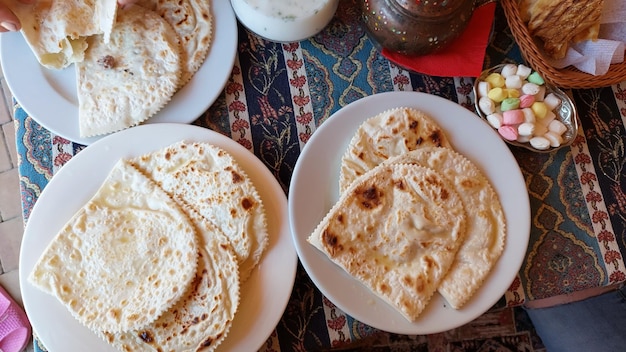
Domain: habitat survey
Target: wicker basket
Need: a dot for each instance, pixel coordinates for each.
(568, 77)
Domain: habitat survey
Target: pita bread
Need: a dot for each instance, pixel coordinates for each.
(209, 180)
(193, 22)
(124, 82)
(396, 229)
(486, 227)
(390, 133)
(106, 265)
(56, 30)
(200, 321)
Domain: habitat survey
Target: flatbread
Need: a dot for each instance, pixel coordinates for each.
(107, 264)
(193, 22)
(396, 229)
(390, 133)
(486, 226)
(56, 31)
(201, 320)
(209, 180)
(128, 80)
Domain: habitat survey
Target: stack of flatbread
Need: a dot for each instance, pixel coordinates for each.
(154, 261)
(414, 216)
(129, 62)
(560, 23)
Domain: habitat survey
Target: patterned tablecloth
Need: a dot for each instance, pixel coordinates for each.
(279, 93)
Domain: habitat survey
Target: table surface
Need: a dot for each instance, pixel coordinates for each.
(278, 94)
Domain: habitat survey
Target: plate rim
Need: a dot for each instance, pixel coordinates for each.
(377, 103)
(280, 253)
(185, 106)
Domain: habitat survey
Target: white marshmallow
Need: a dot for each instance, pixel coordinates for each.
(523, 139)
(486, 105)
(513, 82)
(523, 71)
(530, 88)
(555, 139)
(540, 143)
(508, 70)
(495, 120)
(526, 129)
(529, 115)
(552, 101)
(557, 127)
(483, 88)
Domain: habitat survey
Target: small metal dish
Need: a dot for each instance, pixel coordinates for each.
(566, 113)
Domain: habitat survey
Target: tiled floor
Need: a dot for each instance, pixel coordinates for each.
(11, 224)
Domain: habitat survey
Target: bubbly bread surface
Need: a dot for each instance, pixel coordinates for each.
(126, 81)
(200, 321)
(486, 228)
(209, 180)
(193, 22)
(124, 258)
(390, 133)
(396, 229)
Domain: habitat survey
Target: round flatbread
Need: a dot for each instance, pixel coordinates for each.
(486, 226)
(209, 180)
(128, 80)
(390, 133)
(200, 321)
(396, 229)
(124, 258)
(193, 22)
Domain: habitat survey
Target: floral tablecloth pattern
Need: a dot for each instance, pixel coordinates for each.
(278, 94)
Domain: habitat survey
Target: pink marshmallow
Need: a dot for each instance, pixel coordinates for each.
(508, 132)
(526, 101)
(512, 117)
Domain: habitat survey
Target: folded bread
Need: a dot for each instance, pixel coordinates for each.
(396, 229)
(390, 133)
(486, 227)
(56, 31)
(125, 82)
(208, 179)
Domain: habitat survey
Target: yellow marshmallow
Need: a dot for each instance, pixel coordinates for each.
(513, 93)
(496, 80)
(540, 109)
(497, 94)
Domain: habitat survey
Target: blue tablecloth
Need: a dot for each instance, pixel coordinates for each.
(279, 93)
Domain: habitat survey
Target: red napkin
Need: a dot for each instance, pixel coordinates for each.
(462, 58)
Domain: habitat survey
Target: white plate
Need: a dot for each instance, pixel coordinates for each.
(314, 189)
(264, 295)
(49, 96)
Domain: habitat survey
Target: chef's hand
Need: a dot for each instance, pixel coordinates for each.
(10, 22)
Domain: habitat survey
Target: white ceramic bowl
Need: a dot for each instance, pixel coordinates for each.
(285, 20)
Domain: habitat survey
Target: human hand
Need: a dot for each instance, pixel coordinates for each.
(10, 22)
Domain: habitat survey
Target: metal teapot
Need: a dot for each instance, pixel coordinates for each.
(415, 27)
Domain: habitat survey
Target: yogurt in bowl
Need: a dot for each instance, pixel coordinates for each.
(285, 20)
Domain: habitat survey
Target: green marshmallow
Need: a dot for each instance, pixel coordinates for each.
(536, 78)
(509, 104)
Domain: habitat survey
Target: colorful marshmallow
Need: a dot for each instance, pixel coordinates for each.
(515, 103)
(509, 104)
